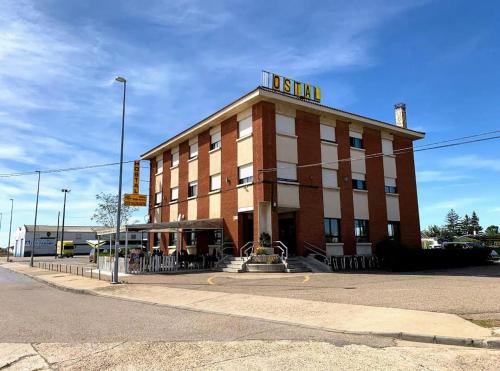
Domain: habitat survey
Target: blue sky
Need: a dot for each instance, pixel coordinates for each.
(59, 106)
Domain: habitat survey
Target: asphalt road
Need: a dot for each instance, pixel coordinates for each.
(33, 312)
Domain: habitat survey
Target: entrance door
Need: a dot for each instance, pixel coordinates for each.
(287, 232)
(246, 220)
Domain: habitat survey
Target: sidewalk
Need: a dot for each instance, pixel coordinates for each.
(398, 323)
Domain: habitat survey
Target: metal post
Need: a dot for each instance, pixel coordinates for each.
(118, 214)
(34, 227)
(97, 252)
(57, 230)
(126, 249)
(10, 227)
(65, 191)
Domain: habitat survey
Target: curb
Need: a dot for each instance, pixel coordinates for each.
(420, 338)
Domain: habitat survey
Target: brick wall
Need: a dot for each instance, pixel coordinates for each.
(183, 177)
(345, 185)
(165, 209)
(376, 186)
(203, 174)
(152, 174)
(229, 172)
(310, 216)
(407, 189)
(264, 157)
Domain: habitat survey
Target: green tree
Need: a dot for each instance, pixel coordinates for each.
(465, 225)
(452, 223)
(432, 231)
(106, 210)
(492, 230)
(474, 221)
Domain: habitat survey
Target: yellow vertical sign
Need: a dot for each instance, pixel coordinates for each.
(135, 182)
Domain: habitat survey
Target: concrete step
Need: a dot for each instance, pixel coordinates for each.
(230, 270)
(231, 265)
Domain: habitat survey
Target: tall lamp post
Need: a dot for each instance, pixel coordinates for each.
(119, 209)
(34, 226)
(65, 191)
(10, 227)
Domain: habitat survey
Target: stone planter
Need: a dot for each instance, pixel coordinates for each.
(263, 259)
(265, 268)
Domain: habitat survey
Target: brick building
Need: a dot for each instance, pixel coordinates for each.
(303, 172)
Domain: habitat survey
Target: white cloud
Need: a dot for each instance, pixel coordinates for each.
(437, 176)
(458, 203)
(473, 162)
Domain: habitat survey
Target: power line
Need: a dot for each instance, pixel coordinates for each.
(421, 148)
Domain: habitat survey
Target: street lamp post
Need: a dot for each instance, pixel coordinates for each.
(10, 227)
(57, 230)
(66, 191)
(34, 226)
(118, 213)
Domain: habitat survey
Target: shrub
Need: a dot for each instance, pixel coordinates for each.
(397, 257)
(260, 251)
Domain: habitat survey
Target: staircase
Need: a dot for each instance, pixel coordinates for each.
(232, 264)
(296, 264)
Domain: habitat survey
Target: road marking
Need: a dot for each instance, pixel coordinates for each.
(306, 278)
(211, 280)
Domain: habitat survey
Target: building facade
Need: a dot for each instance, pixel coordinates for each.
(305, 173)
(46, 237)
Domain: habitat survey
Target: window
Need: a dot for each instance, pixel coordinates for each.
(285, 125)
(191, 238)
(193, 150)
(215, 140)
(390, 185)
(172, 238)
(358, 181)
(387, 148)
(245, 127)
(327, 133)
(332, 230)
(174, 194)
(215, 182)
(215, 238)
(287, 171)
(356, 142)
(159, 166)
(245, 174)
(158, 197)
(393, 231)
(193, 189)
(329, 178)
(175, 158)
(361, 230)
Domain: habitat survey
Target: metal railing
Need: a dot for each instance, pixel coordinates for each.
(283, 248)
(316, 250)
(245, 249)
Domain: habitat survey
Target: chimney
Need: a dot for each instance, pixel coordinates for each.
(400, 112)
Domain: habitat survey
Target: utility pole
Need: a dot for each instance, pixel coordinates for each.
(118, 214)
(66, 191)
(10, 227)
(57, 230)
(34, 227)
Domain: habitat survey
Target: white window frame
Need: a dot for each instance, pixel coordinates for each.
(329, 178)
(215, 138)
(245, 127)
(286, 171)
(193, 150)
(285, 124)
(159, 166)
(215, 179)
(174, 190)
(247, 171)
(387, 147)
(158, 197)
(327, 133)
(175, 158)
(193, 184)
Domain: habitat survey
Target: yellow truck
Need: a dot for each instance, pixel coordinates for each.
(67, 250)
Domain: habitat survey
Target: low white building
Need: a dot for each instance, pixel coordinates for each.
(46, 235)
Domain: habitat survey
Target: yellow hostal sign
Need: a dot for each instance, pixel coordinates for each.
(135, 199)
